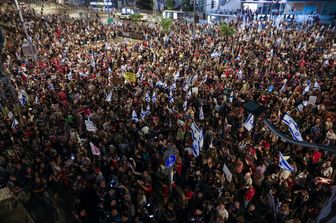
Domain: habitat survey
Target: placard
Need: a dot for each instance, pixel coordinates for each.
(312, 100)
(90, 127)
(227, 173)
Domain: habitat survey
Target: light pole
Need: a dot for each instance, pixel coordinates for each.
(25, 31)
(194, 19)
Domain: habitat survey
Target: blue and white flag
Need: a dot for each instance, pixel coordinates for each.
(307, 88)
(317, 86)
(23, 98)
(15, 123)
(145, 113)
(154, 97)
(201, 114)
(185, 106)
(231, 97)
(293, 128)
(147, 97)
(171, 98)
(197, 136)
(135, 116)
(249, 123)
(160, 84)
(196, 148)
(283, 164)
(109, 97)
(165, 86)
(173, 87)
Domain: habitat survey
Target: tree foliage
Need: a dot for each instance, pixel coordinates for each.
(166, 24)
(145, 4)
(226, 30)
(187, 5)
(170, 4)
(136, 17)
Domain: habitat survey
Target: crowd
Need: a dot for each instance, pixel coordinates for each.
(82, 126)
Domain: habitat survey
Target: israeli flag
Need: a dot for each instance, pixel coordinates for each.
(231, 97)
(173, 87)
(317, 86)
(196, 148)
(197, 136)
(171, 98)
(159, 84)
(15, 123)
(283, 164)
(165, 86)
(201, 114)
(185, 105)
(109, 97)
(147, 97)
(145, 113)
(154, 97)
(135, 116)
(249, 123)
(307, 88)
(293, 128)
(23, 97)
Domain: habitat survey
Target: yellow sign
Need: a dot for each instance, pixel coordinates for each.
(5, 112)
(130, 77)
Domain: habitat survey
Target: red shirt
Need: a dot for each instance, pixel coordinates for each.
(316, 156)
(249, 194)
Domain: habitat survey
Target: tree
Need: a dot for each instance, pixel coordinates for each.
(145, 4)
(226, 30)
(166, 24)
(136, 17)
(170, 4)
(187, 5)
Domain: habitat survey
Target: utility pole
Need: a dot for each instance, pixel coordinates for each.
(194, 19)
(25, 31)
